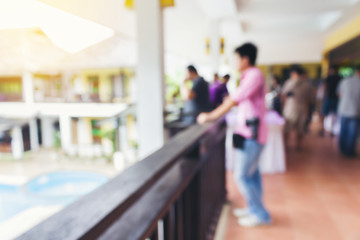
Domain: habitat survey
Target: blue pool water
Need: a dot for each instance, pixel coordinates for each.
(57, 188)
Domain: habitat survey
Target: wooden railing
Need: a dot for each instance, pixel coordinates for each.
(174, 194)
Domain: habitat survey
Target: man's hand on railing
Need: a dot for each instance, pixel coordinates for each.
(203, 118)
(218, 112)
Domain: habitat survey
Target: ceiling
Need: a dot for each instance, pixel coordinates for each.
(285, 31)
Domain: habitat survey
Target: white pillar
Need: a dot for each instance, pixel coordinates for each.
(47, 132)
(84, 139)
(84, 132)
(28, 87)
(34, 137)
(65, 133)
(215, 46)
(150, 76)
(17, 144)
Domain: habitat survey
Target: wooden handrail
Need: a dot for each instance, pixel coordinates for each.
(111, 211)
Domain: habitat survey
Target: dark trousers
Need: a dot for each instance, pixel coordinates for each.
(349, 130)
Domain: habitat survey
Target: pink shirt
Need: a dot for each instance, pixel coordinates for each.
(250, 98)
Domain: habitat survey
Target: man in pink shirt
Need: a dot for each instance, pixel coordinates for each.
(250, 137)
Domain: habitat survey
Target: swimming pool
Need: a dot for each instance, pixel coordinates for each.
(57, 188)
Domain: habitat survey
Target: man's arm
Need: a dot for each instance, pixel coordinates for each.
(246, 90)
(218, 112)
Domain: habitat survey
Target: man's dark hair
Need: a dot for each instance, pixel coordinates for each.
(277, 79)
(248, 50)
(192, 69)
(297, 69)
(334, 67)
(227, 76)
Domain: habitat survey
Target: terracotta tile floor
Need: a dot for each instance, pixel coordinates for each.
(317, 198)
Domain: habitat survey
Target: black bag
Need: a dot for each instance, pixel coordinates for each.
(238, 141)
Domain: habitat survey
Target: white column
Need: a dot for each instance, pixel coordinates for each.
(84, 132)
(215, 46)
(28, 87)
(34, 137)
(150, 76)
(17, 144)
(47, 132)
(65, 133)
(84, 139)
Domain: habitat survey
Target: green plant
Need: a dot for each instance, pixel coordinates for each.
(172, 89)
(134, 144)
(57, 141)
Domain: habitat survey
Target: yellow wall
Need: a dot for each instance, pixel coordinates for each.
(324, 67)
(310, 68)
(343, 35)
(264, 69)
(277, 69)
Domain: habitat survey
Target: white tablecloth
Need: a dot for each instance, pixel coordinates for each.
(272, 158)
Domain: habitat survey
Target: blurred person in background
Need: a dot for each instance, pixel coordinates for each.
(312, 100)
(226, 79)
(297, 96)
(222, 91)
(319, 98)
(349, 112)
(331, 99)
(218, 90)
(275, 89)
(196, 97)
(213, 89)
(250, 135)
(216, 78)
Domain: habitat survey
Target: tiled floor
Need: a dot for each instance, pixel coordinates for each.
(318, 198)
